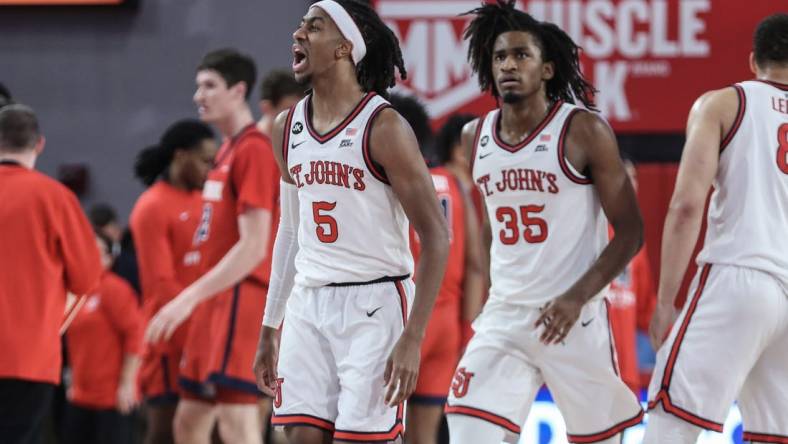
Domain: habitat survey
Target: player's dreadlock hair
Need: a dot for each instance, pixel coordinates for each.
(376, 72)
(495, 18)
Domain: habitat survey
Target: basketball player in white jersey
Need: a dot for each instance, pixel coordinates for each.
(353, 177)
(550, 173)
(731, 340)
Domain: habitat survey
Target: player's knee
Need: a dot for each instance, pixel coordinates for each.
(423, 425)
(192, 423)
(469, 430)
(240, 423)
(306, 435)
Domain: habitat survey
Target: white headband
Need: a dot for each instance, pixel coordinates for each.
(346, 26)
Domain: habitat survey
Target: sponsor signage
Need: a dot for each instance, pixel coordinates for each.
(649, 59)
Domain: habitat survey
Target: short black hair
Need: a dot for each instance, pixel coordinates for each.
(101, 215)
(770, 41)
(184, 134)
(19, 129)
(233, 66)
(5, 96)
(449, 136)
(376, 72)
(495, 18)
(414, 112)
(278, 84)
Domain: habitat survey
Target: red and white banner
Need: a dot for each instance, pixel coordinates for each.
(649, 59)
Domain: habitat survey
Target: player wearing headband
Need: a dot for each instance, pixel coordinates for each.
(352, 179)
(551, 177)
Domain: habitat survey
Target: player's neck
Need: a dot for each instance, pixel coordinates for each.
(774, 74)
(27, 158)
(335, 94)
(519, 119)
(173, 178)
(266, 124)
(234, 122)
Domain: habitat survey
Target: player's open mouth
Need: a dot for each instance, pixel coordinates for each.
(299, 59)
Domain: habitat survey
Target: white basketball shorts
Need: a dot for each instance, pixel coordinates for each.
(729, 342)
(333, 352)
(505, 364)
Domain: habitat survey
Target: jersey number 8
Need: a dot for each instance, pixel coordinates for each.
(782, 150)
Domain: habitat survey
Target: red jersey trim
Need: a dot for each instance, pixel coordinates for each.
(739, 117)
(562, 157)
(476, 138)
(393, 433)
(303, 420)
(403, 301)
(669, 407)
(376, 170)
(323, 138)
(286, 135)
(663, 396)
(605, 434)
(777, 85)
(483, 415)
(514, 148)
(765, 437)
(674, 352)
(611, 340)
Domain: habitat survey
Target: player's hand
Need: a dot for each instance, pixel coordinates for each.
(558, 316)
(402, 370)
(169, 318)
(266, 359)
(127, 397)
(664, 317)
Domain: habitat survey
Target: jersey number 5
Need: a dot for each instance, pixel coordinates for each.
(327, 231)
(782, 151)
(511, 232)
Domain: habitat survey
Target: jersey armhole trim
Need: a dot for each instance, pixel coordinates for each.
(286, 137)
(569, 170)
(376, 169)
(739, 117)
(476, 137)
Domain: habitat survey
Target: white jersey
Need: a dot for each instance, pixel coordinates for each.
(547, 224)
(352, 227)
(748, 213)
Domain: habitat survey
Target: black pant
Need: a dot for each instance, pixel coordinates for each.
(23, 407)
(92, 426)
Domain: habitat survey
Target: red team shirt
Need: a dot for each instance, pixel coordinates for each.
(632, 302)
(440, 351)
(245, 176)
(163, 222)
(53, 250)
(107, 327)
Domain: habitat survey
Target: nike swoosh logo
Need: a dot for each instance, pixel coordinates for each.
(295, 145)
(586, 323)
(482, 156)
(370, 313)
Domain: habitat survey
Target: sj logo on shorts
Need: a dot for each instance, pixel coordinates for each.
(278, 392)
(459, 385)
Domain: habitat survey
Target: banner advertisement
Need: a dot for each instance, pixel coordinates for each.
(649, 59)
